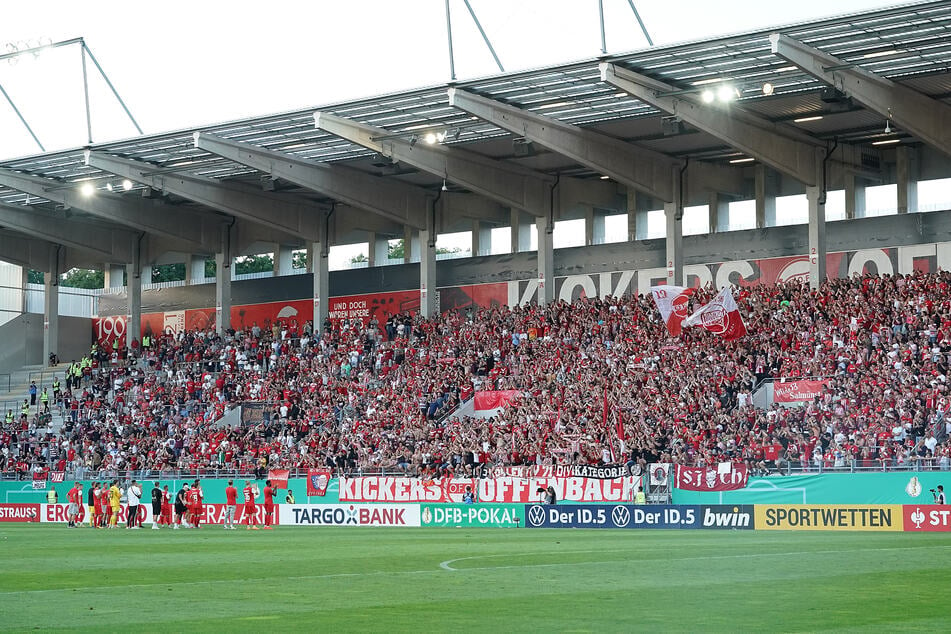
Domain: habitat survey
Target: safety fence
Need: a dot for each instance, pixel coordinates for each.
(827, 517)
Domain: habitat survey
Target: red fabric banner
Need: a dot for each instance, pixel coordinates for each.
(278, 478)
(673, 302)
(711, 478)
(499, 490)
(793, 391)
(494, 399)
(317, 481)
(721, 317)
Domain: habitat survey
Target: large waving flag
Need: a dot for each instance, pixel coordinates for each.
(720, 316)
(673, 302)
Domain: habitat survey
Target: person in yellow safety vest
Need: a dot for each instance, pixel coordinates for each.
(9, 416)
(639, 497)
(146, 341)
(45, 401)
(51, 496)
(56, 389)
(25, 410)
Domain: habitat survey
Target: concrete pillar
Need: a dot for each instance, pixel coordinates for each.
(321, 275)
(546, 260)
(521, 231)
(719, 209)
(51, 305)
(223, 273)
(24, 288)
(427, 271)
(631, 215)
(378, 249)
(146, 274)
(594, 232)
(481, 239)
(765, 186)
(674, 214)
(195, 269)
(134, 294)
(113, 276)
(411, 252)
(817, 236)
(854, 197)
(906, 176)
(283, 260)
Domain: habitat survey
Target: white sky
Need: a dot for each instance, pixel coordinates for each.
(181, 64)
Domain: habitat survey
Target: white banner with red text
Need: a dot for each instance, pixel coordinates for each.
(510, 490)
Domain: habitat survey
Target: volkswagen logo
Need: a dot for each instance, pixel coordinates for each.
(620, 516)
(536, 515)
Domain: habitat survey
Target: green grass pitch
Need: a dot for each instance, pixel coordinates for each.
(499, 580)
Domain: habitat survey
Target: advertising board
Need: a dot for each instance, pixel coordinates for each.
(404, 515)
(469, 515)
(827, 517)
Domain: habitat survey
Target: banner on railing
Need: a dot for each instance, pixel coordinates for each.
(507, 489)
(727, 478)
(795, 391)
(598, 472)
(317, 481)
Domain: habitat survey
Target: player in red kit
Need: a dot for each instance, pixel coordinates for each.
(268, 505)
(249, 494)
(231, 497)
(197, 507)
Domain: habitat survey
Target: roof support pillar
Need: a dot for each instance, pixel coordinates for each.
(481, 239)
(113, 275)
(51, 305)
(283, 260)
(674, 215)
(134, 295)
(765, 186)
(195, 269)
(816, 197)
(427, 268)
(521, 231)
(321, 270)
(546, 260)
(223, 262)
(906, 176)
(854, 196)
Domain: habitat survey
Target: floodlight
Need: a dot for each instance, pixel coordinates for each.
(768, 88)
(430, 138)
(725, 93)
(87, 189)
(707, 96)
(127, 184)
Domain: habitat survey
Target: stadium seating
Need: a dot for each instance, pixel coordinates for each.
(601, 382)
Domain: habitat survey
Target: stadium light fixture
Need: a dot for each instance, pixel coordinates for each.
(109, 186)
(727, 93)
(748, 159)
(604, 178)
(707, 96)
(126, 184)
(807, 119)
(768, 89)
(87, 189)
(430, 138)
(886, 142)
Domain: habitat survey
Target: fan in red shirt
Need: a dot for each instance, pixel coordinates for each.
(250, 492)
(268, 505)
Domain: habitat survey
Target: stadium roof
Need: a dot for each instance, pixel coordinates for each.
(909, 44)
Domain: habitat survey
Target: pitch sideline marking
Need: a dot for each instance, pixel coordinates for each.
(447, 565)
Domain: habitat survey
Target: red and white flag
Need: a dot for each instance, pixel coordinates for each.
(720, 316)
(673, 302)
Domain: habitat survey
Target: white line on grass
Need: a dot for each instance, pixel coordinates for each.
(447, 565)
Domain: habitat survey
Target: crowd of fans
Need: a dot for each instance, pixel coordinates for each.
(599, 381)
